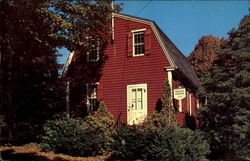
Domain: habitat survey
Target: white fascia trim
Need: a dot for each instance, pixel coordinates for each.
(170, 68)
(153, 27)
(138, 30)
(68, 62)
(131, 18)
(157, 34)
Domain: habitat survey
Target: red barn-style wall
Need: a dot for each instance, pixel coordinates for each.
(121, 70)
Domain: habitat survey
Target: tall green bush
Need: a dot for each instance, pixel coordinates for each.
(167, 104)
(99, 130)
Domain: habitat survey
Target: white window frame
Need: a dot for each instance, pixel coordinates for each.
(97, 51)
(92, 96)
(133, 41)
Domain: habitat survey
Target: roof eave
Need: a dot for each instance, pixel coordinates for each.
(67, 64)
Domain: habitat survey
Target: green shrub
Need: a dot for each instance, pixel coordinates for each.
(169, 143)
(90, 136)
(99, 130)
(158, 120)
(63, 134)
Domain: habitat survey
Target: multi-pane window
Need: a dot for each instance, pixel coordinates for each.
(92, 96)
(93, 53)
(138, 43)
(137, 99)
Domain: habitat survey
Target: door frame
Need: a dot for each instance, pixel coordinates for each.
(144, 99)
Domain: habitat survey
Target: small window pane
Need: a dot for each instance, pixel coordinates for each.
(139, 98)
(92, 104)
(133, 99)
(93, 55)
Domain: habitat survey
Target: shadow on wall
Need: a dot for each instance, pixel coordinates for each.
(190, 122)
(158, 106)
(81, 72)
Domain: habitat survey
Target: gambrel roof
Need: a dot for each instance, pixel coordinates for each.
(176, 59)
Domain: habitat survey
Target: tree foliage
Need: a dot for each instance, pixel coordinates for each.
(30, 34)
(204, 54)
(227, 87)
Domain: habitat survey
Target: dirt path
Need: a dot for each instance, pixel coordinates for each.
(32, 152)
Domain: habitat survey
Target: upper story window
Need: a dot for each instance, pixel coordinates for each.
(138, 43)
(93, 53)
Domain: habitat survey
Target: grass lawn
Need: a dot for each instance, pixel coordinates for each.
(32, 152)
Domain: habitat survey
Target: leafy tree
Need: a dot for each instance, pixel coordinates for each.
(227, 115)
(28, 68)
(204, 54)
(30, 33)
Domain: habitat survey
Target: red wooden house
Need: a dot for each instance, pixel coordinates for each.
(140, 58)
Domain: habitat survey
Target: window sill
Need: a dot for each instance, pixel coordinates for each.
(138, 55)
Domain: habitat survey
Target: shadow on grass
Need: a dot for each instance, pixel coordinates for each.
(9, 155)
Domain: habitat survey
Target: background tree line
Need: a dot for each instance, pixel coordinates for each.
(223, 66)
(31, 32)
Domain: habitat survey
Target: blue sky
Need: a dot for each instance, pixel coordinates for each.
(185, 22)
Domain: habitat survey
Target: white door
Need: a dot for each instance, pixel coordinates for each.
(136, 103)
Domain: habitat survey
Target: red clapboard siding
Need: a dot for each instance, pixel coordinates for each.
(121, 70)
(185, 104)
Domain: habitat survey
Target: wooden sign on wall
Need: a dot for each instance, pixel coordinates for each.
(179, 93)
